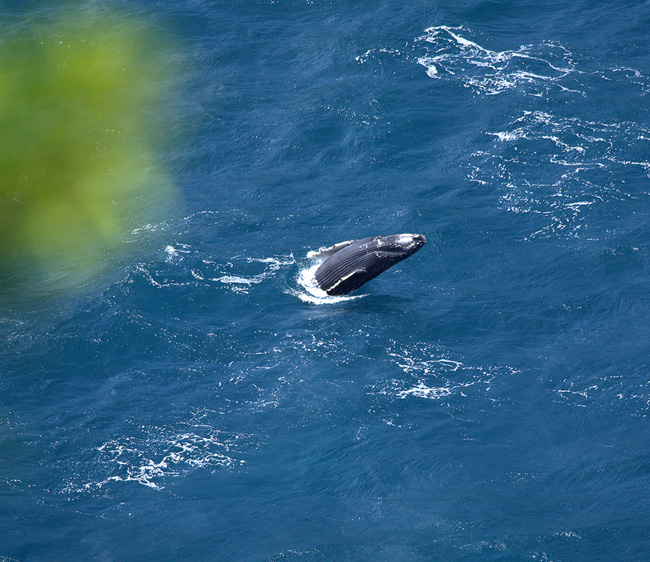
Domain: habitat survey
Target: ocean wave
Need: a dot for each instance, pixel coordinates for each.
(429, 373)
(560, 168)
(606, 393)
(538, 69)
(535, 68)
(153, 457)
(184, 265)
(242, 284)
(448, 54)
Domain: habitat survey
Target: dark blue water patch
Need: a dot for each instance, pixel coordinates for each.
(484, 400)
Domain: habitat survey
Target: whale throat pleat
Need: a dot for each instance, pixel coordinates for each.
(338, 272)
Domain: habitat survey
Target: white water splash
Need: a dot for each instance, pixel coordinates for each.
(241, 284)
(309, 291)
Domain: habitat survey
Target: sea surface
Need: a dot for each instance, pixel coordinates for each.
(487, 399)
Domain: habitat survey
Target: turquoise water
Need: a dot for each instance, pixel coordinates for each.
(486, 399)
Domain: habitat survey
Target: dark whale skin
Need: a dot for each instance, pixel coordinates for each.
(360, 261)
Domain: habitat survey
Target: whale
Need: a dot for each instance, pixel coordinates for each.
(349, 265)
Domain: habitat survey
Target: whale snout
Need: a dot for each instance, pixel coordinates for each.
(419, 239)
(410, 242)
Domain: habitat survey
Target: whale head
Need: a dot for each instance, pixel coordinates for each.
(406, 243)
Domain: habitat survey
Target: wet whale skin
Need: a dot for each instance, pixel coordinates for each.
(362, 260)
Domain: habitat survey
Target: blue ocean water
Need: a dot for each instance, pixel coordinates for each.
(486, 399)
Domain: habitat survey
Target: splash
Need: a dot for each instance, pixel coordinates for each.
(241, 284)
(309, 291)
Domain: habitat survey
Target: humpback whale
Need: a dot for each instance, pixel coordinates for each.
(351, 264)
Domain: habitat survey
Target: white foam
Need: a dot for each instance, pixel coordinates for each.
(229, 279)
(505, 136)
(581, 160)
(364, 58)
(576, 206)
(536, 68)
(424, 391)
(241, 284)
(151, 461)
(428, 373)
(311, 292)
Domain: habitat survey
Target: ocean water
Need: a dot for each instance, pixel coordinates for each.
(486, 399)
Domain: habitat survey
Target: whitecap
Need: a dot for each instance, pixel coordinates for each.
(242, 284)
(153, 458)
(535, 68)
(560, 168)
(421, 390)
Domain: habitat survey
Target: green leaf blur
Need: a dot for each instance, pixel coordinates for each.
(80, 125)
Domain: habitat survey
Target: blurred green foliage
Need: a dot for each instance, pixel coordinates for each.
(80, 128)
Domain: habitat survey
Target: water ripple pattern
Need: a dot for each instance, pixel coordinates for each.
(564, 169)
(155, 455)
(534, 69)
(487, 400)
